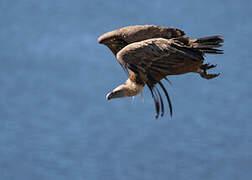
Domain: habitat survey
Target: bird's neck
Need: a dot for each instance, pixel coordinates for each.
(133, 88)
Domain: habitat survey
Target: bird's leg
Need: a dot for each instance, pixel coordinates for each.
(203, 72)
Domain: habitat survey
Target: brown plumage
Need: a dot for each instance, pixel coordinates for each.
(150, 53)
(119, 38)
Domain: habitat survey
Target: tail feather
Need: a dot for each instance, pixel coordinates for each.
(211, 50)
(208, 44)
(210, 39)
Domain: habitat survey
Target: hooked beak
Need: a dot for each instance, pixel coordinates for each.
(116, 94)
(119, 92)
(109, 96)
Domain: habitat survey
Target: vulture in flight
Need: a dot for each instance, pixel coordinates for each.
(150, 53)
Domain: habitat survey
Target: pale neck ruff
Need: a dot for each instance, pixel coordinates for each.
(133, 88)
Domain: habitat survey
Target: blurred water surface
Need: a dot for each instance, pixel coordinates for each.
(56, 124)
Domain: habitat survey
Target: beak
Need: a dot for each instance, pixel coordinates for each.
(109, 95)
(116, 93)
(100, 40)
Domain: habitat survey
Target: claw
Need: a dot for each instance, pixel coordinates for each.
(204, 67)
(208, 76)
(212, 66)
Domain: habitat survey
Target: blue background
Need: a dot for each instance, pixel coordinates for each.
(55, 122)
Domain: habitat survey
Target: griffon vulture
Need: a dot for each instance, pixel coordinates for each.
(149, 53)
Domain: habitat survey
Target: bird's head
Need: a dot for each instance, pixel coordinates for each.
(120, 91)
(125, 90)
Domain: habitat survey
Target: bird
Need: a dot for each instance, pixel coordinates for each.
(150, 53)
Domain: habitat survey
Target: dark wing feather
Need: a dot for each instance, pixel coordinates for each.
(154, 59)
(157, 57)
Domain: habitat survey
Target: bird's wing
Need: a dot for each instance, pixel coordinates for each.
(157, 56)
(138, 33)
(119, 38)
(154, 59)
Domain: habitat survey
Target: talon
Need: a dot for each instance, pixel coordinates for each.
(209, 76)
(212, 66)
(204, 67)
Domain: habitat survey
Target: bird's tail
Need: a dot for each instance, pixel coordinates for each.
(208, 44)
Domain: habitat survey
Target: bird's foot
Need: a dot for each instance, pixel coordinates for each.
(207, 66)
(208, 76)
(204, 74)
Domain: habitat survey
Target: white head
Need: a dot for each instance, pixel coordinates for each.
(120, 91)
(125, 90)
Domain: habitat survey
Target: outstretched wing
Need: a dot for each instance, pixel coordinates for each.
(120, 38)
(154, 59)
(137, 33)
